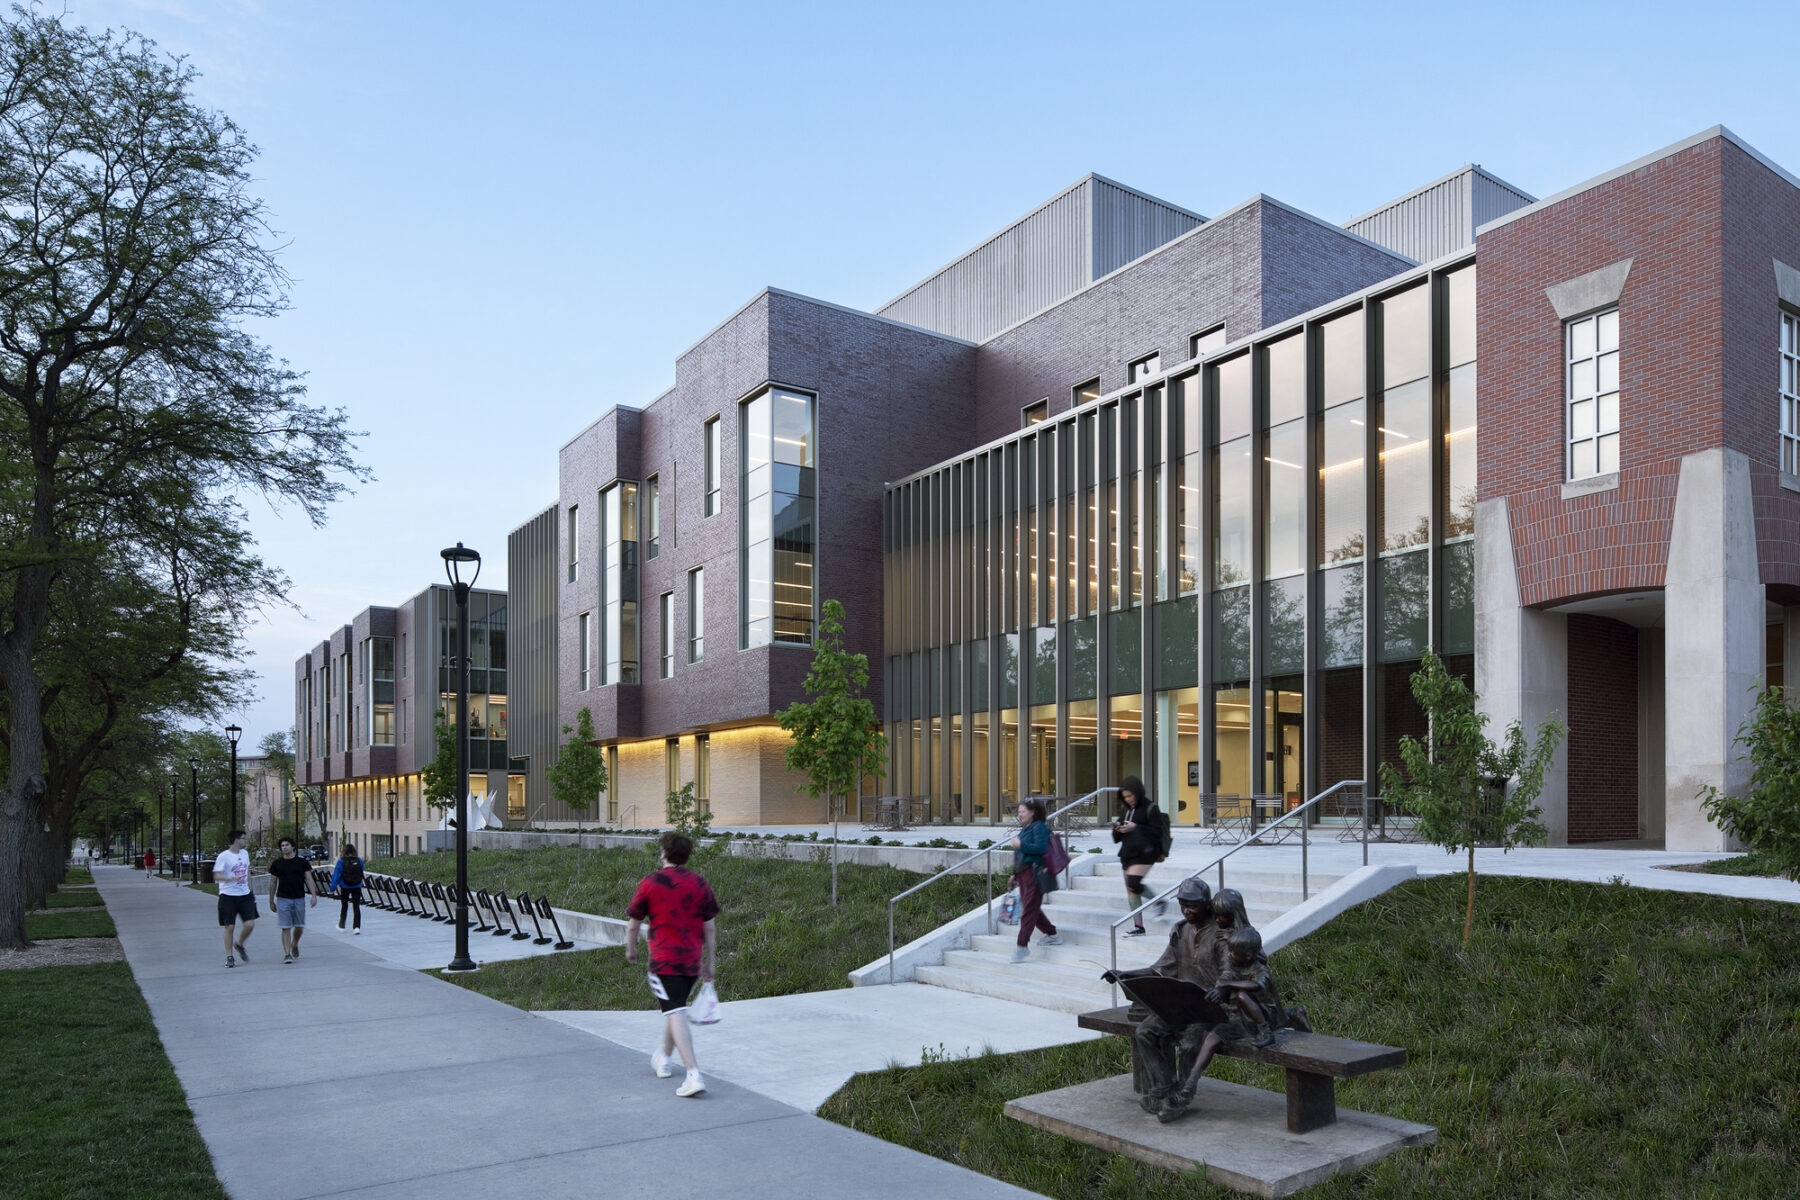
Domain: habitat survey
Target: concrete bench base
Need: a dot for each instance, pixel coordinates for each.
(1234, 1134)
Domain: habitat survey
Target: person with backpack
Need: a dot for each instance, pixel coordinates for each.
(347, 882)
(1142, 832)
(1032, 877)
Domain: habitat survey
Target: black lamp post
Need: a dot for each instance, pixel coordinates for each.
(194, 811)
(390, 799)
(175, 823)
(232, 734)
(455, 559)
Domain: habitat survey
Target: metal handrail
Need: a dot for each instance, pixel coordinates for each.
(1219, 862)
(989, 851)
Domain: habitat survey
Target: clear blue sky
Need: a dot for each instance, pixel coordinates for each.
(504, 218)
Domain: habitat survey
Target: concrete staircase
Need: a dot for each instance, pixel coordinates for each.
(1066, 978)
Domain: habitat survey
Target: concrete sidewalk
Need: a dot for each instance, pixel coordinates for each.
(343, 1075)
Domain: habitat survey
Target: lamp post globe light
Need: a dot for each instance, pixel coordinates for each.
(390, 799)
(456, 559)
(232, 734)
(194, 811)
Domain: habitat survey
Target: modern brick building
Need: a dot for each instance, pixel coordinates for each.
(1125, 489)
(365, 703)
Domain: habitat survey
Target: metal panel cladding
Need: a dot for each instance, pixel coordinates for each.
(1441, 217)
(1054, 251)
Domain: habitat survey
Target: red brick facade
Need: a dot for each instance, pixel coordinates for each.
(1665, 217)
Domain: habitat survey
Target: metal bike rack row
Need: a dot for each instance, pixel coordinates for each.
(437, 902)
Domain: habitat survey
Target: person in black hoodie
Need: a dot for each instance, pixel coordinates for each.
(1139, 831)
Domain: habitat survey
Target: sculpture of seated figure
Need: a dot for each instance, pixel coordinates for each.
(1247, 990)
(1192, 954)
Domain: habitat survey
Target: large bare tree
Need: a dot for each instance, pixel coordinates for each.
(135, 406)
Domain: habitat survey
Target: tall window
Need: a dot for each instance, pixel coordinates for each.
(666, 635)
(381, 690)
(1790, 393)
(712, 466)
(1143, 368)
(703, 771)
(584, 641)
(672, 765)
(775, 530)
(652, 517)
(696, 614)
(574, 542)
(1593, 374)
(618, 584)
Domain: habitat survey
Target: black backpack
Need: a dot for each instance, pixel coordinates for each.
(353, 872)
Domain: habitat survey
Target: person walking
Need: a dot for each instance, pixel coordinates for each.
(149, 864)
(347, 882)
(291, 890)
(1031, 877)
(231, 871)
(1140, 831)
(681, 908)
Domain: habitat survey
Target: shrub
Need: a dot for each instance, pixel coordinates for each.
(1767, 816)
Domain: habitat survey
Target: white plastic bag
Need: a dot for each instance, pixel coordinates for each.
(703, 1007)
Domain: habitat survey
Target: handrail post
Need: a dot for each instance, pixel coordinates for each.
(890, 943)
(1365, 825)
(989, 860)
(1305, 845)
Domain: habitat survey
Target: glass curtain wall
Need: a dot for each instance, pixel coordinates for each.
(1047, 628)
(618, 585)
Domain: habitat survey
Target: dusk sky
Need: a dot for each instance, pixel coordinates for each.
(501, 220)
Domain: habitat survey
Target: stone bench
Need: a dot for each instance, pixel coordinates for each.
(1313, 1062)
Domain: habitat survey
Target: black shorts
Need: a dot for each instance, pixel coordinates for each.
(671, 991)
(233, 907)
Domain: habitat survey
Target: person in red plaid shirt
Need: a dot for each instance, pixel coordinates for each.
(680, 908)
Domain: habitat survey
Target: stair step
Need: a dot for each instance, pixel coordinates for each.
(1079, 945)
(1022, 989)
(1073, 976)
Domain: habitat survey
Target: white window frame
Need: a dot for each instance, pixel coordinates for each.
(1143, 368)
(1212, 338)
(666, 618)
(1790, 392)
(1041, 407)
(1591, 394)
(697, 614)
(574, 542)
(714, 472)
(584, 641)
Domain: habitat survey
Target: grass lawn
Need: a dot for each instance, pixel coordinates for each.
(40, 926)
(777, 933)
(1753, 863)
(94, 1109)
(1596, 1040)
(76, 899)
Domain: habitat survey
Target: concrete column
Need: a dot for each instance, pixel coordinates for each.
(1713, 613)
(1652, 712)
(1521, 656)
(1790, 653)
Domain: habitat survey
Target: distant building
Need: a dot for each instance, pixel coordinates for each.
(365, 703)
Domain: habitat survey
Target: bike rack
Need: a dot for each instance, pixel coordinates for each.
(529, 906)
(562, 943)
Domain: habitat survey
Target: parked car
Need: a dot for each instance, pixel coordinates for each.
(317, 853)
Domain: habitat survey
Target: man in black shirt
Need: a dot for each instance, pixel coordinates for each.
(291, 884)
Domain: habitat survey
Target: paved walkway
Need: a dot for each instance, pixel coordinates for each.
(345, 1075)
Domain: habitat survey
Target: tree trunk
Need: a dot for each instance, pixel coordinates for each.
(23, 795)
(1469, 918)
(832, 800)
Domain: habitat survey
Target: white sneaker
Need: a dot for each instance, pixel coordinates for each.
(1054, 939)
(1021, 954)
(659, 1062)
(693, 1085)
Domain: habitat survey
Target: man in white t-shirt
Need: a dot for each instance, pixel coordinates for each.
(231, 871)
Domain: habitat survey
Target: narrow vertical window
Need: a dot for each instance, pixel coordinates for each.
(696, 614)
(666, 634)
(584, 646)
(574, 542)
(703, 771)
(672, 765)
(1790, 393)
(652, 517)
(712, 466)
(1593, 392)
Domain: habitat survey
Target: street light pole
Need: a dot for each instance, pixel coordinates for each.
(174, 823)
(232, 734)
(194, 824)
(390, 799)
(454, 559)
